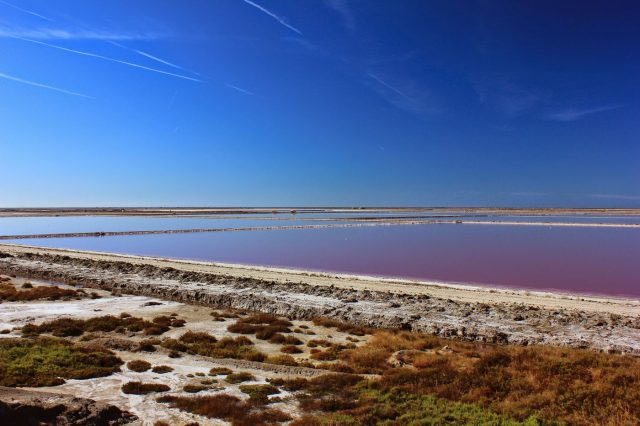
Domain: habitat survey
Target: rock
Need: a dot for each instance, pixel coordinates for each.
(26, 408)
(445, 350)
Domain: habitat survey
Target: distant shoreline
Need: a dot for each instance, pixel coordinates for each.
(177, 211)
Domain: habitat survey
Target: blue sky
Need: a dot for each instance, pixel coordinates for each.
(336, 102)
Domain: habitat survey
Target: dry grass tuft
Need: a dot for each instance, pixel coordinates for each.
(138, 365)
(139, 388)
(243, 376)
(9, 293)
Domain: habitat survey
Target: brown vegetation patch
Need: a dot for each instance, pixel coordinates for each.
(342, 326)
(138, 365)
(198, 343)
(282, 360)
(194, 388)
(139, 388)
(574, 386)
(243, 376)
(67, 327)
(220, 371)
(162, 369)
(264, 326)
(9, 293)
(227, 407)
(281, 339)
(259, 394)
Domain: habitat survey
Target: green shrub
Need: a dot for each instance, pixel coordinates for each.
(47, 361)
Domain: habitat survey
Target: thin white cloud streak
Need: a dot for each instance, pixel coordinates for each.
(616, 196)
(152, 57)
(42, 86)
(274, 16)
(388, 86)
(239, 89)
(576, 114)
(343, 9)
(60, 34)
(106, 58)
(30, 12)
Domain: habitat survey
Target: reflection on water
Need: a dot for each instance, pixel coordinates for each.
(590, 260)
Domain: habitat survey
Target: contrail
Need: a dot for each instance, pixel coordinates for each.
(239, 89)
(43, 86)
(387, 85)
(152, 57)
(95, 55)
(26, 11)
(273, 15)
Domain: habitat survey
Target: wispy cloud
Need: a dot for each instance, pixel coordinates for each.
(409, 97)
(387, 85)
(239, 89)
(616, 196)
(342, 7)
(507, 98)
(569, 115)
(42, 86)
(152, 57)
(66, 34)
(305, 44)
(106, 58)
(274, 16)
(528, 194)
(30, 12)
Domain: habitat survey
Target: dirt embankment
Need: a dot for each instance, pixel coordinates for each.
(28, 408)
(481, 315)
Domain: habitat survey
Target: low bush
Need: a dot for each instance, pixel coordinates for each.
(282, 360)
(9, 293)
(281, 339)
(162, 369)
(206, 345)
(48, 361)
(290, 349)
(194, 388)
(68, 327)
(226, 407)
(139, 388)
(259, 394)
(511, 384)
(220, 371)
(342, 326)
(243, 376)
(138, 365)
(264, 326)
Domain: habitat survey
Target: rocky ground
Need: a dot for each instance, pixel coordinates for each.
(20, 407)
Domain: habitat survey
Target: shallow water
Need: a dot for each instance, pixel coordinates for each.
(587, 260)
(76, 224)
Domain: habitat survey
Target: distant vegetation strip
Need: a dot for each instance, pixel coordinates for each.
(322, 226)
